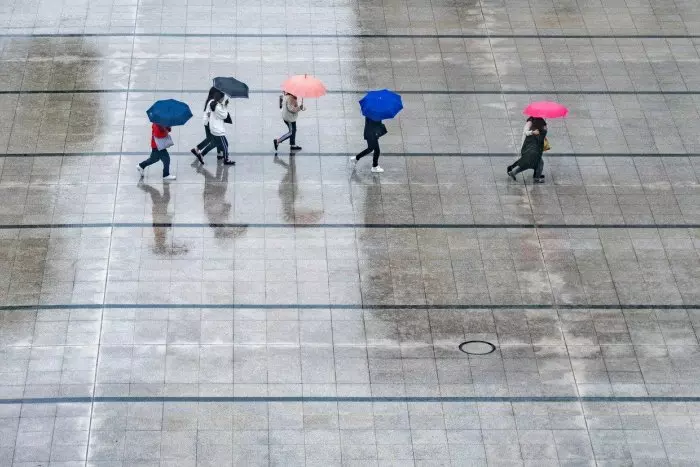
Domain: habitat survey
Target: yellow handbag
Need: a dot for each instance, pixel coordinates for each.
(547, 146)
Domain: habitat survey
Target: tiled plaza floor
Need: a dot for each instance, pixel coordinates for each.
(292, 311)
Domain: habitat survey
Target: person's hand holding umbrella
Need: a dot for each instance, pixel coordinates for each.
(299, 86)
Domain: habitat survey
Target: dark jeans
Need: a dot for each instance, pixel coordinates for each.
(372, 145)
(516, 169)
(291, 134)
(207, 143)
(156, 156)
(221, 144)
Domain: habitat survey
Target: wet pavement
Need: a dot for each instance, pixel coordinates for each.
(293, 311)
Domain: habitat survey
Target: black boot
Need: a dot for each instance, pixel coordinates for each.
(228, 161)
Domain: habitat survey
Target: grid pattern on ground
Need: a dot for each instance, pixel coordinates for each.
(299, 311)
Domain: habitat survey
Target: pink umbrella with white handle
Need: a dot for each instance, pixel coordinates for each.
(546, 109)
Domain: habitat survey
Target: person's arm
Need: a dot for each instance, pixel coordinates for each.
(221, 111)
(526, 131)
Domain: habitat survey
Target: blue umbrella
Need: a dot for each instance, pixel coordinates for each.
(380, 105)
(169, 112)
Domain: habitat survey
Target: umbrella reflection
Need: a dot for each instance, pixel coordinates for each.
(289, 193)
(216, 207)
(162, 220)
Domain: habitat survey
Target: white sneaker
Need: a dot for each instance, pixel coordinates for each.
(140, 169)
(377, 170)
(170, 177)
(353, 159)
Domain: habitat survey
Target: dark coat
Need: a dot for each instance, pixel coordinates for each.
(373, 130)
(532, 150)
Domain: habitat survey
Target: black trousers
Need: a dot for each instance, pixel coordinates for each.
(290, 135)
(156, 156)
(208, 143)
(372, 145)
(221, 144)
(516, 169)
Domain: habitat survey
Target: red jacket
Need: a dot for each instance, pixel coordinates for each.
(158, 131)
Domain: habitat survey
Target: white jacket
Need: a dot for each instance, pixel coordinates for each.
(205, 115)
(289, 110)
(216, 118)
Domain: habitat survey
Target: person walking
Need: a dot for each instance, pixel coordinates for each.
(160, 141)
(534, 135)
(290, 112)
(217, 126)
(373, 131)
(208, 143)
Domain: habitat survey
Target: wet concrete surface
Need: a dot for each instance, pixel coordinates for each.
(294, 310)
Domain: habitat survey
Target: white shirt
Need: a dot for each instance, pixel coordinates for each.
(216, 119)
(526, 131)
(289, 110)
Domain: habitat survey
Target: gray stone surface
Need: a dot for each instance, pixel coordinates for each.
(294, 311)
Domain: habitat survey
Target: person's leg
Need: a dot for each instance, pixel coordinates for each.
(209, 146)
(207, 139)
(538, 177)
(154, 157)
(210, 143)
(539, 169)
(375, 157)
(363, 153)
(216, 141)
(514, 164)
(293, 136)
(287, 135)
(204, 144)
(165, 158)
(514, 169)
(224, 145)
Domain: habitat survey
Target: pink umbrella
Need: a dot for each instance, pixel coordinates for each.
(545, 109)
(304, 86)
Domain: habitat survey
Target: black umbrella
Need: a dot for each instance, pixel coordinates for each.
(231, 87)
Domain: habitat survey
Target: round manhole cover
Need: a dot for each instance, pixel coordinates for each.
(477, 347)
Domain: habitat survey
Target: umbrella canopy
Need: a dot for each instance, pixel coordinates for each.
(231, 87)
(380, 105)
(169, 112)
(545, 109)
(304, 86)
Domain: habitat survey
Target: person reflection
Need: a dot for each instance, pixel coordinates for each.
(288, 187)
(216, 207)
(289, 194)
(162, 220)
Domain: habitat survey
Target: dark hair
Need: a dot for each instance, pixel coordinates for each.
(537, 123)
(214, 94)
